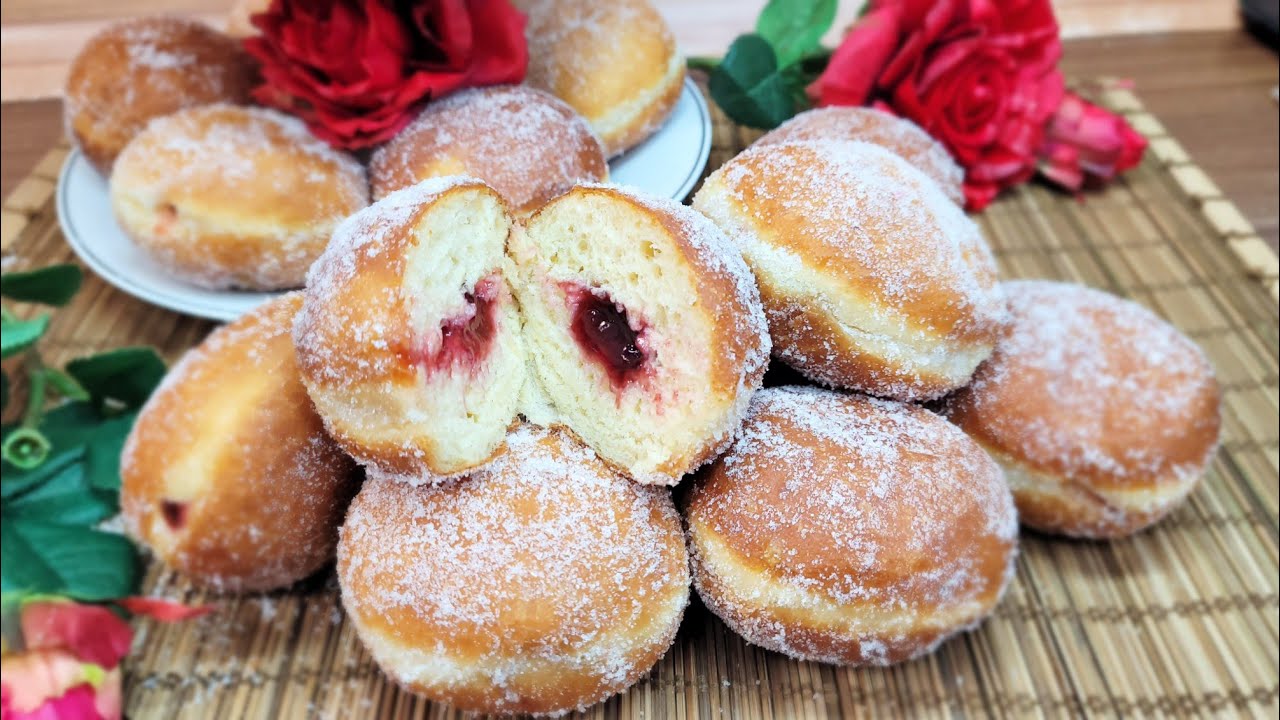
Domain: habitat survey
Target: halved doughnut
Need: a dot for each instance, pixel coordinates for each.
(409, 339)
(644, 325)
(639, 328)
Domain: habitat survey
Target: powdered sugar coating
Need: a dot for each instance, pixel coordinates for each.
(253, 194)
(1094, 387)
(895, 134)
(525, 143)
(876, 510)
(859, 252)
(545, 558)
(614, 62)
(134, 71)
(231, 435)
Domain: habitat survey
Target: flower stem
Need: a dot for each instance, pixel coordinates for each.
(34, 413)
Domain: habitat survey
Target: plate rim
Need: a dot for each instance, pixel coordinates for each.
(85, 251)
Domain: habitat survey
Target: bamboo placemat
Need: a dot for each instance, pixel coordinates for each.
(1178, 621)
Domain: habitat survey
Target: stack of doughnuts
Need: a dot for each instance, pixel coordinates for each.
(522, 359)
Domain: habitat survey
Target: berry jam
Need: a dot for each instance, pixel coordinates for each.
(465, 338)
(605, 334)
(174, 513)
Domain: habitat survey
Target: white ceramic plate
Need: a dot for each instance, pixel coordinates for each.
(668, 164)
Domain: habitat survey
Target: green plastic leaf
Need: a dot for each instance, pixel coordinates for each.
(748, 86)
(80, 434)
(53, 285)
(25, 448)
(795, 27)
(18, 335)
(66, 498)
(126, 375)
(64, 384)
(71, 560)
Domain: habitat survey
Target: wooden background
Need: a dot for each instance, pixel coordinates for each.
(38, 37)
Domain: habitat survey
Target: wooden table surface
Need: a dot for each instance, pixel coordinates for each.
(1212, 90)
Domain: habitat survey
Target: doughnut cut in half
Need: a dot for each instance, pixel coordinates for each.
(640, 330)
(643, 324)
(409, 339)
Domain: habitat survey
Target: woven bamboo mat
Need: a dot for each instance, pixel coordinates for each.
(1179, 621)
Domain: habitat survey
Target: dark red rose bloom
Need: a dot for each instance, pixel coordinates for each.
(357, 71)
(1083, 141)
(979, 75)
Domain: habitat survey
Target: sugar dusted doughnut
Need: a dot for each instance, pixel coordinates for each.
(225, 196)
(614, 62)
(644, 324)
(641, 323)
(227, 475)
(409, 340)
(898, 135)
(850, 530)
(1103, 415)
(542, 584)
(871, 278)
(525, 143)
(138, 70)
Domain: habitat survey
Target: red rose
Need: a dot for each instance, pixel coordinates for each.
(979, 75)
(1083, 140)
(357, 71)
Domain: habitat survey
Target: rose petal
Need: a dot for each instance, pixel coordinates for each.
(851, 73)
(90, 632)
(163, 610)
(30, 678)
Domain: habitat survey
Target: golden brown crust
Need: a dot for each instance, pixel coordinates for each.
(142, 69)
(801, 331)
(230, 441)
(525, 143)
(1097, 401)
(228, 196)
(543, 583)
(918, 528)
(855, 249)
(612, 62)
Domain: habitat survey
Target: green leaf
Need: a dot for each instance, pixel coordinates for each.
(66, 498)
(53, 285)
(78, 434)
(86, 564)
(748, 86)
(18, 335)
(125, 375)
(64, 384)
(795, 27)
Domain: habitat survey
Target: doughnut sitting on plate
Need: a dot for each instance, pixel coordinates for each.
(135, 71)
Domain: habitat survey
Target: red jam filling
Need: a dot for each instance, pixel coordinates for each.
(175, 513)
(166, 216)
(607, 335)
(465, 338)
